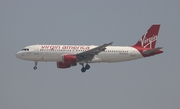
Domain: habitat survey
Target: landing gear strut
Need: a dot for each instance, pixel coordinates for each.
(35, 67)
(83, 69)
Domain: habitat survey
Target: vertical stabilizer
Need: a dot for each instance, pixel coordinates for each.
(148, 40)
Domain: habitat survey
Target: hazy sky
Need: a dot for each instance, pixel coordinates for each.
(150, 83)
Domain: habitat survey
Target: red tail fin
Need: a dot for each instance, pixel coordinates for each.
(148, 40)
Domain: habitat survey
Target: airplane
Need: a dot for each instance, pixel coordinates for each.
(67, 56)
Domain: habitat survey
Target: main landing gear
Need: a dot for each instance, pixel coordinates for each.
(83, 69)
(35, 67)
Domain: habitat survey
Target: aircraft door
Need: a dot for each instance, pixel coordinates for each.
(36, 51)
(37, 54)
(133, 53)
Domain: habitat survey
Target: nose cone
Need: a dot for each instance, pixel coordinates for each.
(18, 55)
(22, 55)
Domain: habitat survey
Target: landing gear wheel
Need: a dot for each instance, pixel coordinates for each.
(83, 69)
(87, 66)
(35, 67)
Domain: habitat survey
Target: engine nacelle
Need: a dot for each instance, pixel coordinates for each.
(63, 65)
(67, 61)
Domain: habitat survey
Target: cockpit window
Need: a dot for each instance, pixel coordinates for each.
(25, 49)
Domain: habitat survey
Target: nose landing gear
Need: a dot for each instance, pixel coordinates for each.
(35, 67)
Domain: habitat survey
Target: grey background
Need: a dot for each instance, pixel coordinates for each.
(150, 83)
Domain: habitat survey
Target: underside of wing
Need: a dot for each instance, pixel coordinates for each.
(89, 55)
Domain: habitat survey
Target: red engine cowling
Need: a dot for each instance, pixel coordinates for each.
(63, 65)
(67, 61)
(69, 58)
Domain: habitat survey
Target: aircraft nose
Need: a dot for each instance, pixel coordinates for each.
(18, 55)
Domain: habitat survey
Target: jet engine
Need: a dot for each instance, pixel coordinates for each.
(67, 61)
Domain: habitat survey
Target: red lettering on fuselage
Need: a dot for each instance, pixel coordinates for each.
(50, 47)
(66, 47)
(76, 47)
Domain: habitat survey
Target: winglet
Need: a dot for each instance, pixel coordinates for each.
(110, 43)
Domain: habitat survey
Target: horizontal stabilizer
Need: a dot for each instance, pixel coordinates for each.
(152, 50)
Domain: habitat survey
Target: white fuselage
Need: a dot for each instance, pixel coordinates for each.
(55, 53)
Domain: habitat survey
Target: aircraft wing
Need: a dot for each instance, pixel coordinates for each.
(89, 55)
